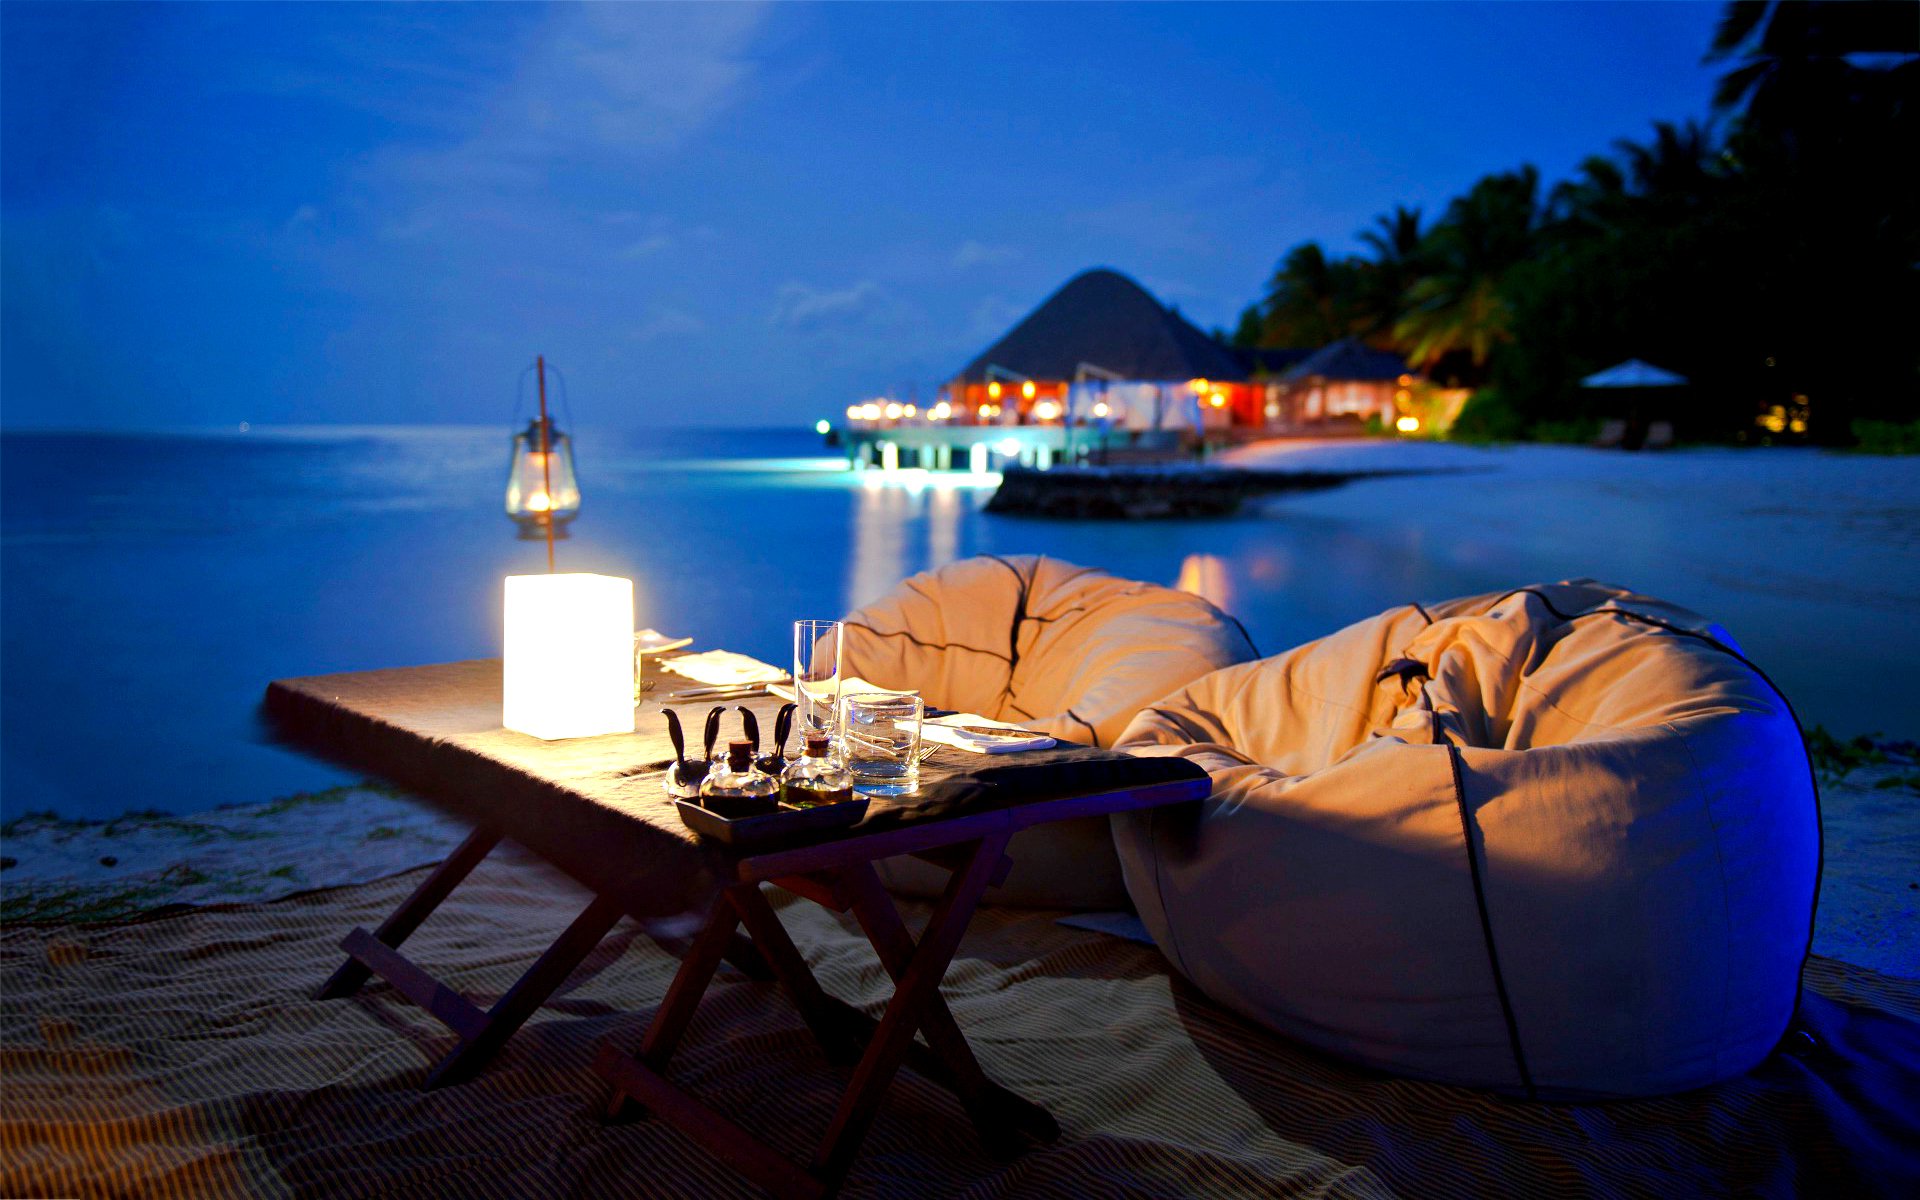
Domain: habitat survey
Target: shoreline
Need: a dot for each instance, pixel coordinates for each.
(78, 873)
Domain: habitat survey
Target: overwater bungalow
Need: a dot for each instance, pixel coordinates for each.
(1102, 363)
(1103, 348)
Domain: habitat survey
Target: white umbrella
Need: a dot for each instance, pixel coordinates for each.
(1633, 374)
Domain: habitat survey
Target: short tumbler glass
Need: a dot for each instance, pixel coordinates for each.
(880, 737)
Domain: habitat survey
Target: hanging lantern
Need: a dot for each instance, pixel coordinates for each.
(540, 483)
(542, 495)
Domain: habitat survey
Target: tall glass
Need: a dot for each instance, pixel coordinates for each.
(880, 740)
(816, 675)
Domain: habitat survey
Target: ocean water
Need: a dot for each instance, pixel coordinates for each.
(151, 585)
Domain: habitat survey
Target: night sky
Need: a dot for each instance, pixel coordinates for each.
(723, 214)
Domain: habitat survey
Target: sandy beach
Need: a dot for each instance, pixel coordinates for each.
(60, 871)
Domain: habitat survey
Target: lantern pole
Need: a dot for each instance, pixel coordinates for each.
(546, 456)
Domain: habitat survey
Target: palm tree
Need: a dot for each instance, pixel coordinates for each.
(1457, 305)
(1788, 48)
(1395, 239)
(1312, 299)
(1396, 236)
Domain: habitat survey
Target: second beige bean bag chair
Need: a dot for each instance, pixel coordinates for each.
(1561, 842)
(1071, 651)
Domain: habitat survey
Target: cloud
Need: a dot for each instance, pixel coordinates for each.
(980, 254)
(994, 315)
(663, 233)
(599, 84)
(800, 307)
(648, 246)
(666, 323)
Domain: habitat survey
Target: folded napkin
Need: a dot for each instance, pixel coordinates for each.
(722, 666)
(941, 729)
(852, 685)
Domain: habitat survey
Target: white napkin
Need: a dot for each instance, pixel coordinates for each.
(939, 729)
(852, 685)
(722, 666)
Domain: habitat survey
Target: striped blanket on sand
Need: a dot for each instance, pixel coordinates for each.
(180, 1057)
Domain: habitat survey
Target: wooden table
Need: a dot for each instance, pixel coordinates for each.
(595, 809)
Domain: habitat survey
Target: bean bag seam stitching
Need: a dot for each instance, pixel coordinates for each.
(1486, 923)
(924, 645)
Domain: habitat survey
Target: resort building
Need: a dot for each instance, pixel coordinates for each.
(1103, 364)
(1102, 348)
(1345, 382)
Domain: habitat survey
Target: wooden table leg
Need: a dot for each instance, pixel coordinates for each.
(916, 984)
(529, 992)
(917, 969)
(683, 994)
(996, 1112)
(837, 1037)
(414, 909)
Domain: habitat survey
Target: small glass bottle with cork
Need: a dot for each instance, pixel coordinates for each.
(816, 779)
(737, 788)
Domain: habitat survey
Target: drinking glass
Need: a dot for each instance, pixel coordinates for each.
(816, 675)
(880, 739)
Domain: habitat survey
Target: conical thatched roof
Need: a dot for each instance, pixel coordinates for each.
(1106, 320)
(1350, 359)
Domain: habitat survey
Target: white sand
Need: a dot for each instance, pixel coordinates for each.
(61, 869)
(1869, 909)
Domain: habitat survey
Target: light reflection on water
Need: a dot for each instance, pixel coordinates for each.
(151, 586)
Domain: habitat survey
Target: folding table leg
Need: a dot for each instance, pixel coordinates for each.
(683, 994)
(917, 983)
(995, 1110)
(917, 968)
(529, 992)
(834, 1033)
(414, 909)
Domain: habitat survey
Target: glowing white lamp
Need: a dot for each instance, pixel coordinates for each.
(568, 655)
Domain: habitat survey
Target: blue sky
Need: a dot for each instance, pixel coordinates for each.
(723, 213)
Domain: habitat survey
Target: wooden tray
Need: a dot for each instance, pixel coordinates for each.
(783, 823)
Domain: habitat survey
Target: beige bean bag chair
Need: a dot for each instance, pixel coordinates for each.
(1522, 841)
(1071, 651)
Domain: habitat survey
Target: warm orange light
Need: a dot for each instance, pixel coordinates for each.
(1408, 424)
(1198, 386)
(1406, 381)
(538, 502)
(893, 412)
(1402, 396)
(941, 411)
(853, 412)
(908, 410)
(984, 410)
(1027, 389)
(1046, 410)
(1218, 400)
(993, 390)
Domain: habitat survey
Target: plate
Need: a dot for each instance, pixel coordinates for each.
(652, 641)
(785, 823)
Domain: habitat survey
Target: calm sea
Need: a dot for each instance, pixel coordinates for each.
(150, 586)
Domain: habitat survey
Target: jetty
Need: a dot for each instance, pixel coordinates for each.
(1147, 492)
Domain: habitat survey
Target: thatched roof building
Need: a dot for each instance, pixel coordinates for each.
(1349, 360)
(1102, 319)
